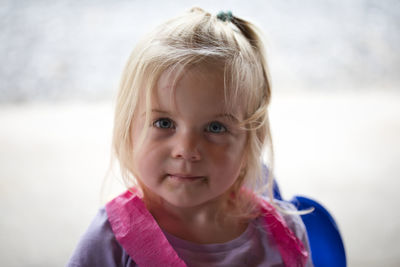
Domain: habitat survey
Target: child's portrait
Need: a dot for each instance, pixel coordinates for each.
(199, 134)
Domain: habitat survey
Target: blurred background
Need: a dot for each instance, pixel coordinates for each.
(335, 114)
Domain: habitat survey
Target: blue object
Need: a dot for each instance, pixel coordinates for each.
(326, 244)
(277, 192)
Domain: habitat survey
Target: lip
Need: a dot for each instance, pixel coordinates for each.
(185, 177)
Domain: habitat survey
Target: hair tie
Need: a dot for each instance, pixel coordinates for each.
(225, 16)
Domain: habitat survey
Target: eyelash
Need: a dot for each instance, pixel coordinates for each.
(224, 129)
(157, 124)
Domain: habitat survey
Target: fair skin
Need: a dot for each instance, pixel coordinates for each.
(191, 156)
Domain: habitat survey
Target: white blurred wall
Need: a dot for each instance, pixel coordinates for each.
(76, 49)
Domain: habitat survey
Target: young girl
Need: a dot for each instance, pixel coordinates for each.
(190, 124)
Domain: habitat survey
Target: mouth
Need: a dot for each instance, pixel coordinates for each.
(185, 177)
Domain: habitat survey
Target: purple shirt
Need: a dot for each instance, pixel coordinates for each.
(99, 247)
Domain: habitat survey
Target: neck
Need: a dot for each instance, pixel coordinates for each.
(205, 213)
(204, 223)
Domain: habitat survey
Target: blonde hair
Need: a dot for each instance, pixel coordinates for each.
(199, 37)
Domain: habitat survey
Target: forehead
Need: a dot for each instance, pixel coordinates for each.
(179, 75)
(186, 83)
(199, 87)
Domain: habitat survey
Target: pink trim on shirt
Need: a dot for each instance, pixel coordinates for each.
(139, 234)
(290, 247)
(142, 238)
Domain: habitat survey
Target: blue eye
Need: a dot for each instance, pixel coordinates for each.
(216, 127)
(163, 123)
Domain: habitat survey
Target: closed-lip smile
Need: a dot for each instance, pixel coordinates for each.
(184, 177)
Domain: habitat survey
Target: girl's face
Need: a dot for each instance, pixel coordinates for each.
(194, 150)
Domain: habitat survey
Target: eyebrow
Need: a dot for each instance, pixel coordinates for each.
(222, 115)
(159, 111)
(155, 111)
(230, 116)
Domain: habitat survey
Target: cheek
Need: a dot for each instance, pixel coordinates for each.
(145, 158)
(229, 158)
(150, 159)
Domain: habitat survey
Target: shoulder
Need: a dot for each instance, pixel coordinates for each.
(98, 245)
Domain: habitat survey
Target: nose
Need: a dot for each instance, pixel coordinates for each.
(186, 147)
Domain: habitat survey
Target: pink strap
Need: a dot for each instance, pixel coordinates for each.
(290, 247)
(142, 238)
(139, 234)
